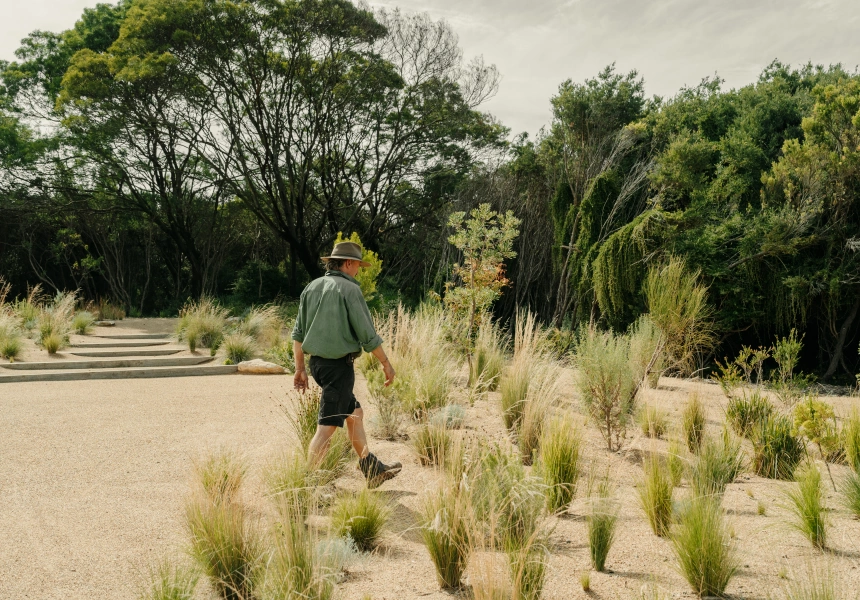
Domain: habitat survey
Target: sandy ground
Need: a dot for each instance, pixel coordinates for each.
(93, 476)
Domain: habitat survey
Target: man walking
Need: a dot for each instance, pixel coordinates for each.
(333, 326)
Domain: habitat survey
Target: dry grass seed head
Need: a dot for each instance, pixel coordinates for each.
(264, 324)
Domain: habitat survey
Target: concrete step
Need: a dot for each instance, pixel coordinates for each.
(122, 353)
(108, 344)
(134, 336)
(124, 363)
(129, 373)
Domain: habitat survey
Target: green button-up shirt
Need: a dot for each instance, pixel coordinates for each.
(333, 318)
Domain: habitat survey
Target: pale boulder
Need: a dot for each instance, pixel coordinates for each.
(260, 367)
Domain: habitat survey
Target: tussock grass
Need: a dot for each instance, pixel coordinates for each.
(445, 529)
(488, 574)
(693, 423)
(543, 391)
(302, 412)
(53, 343)
(806, 504)
(602, 521)
(27, 310)
(675, 461)
(82, 322)
(558, 461)
(296, 569)
(606, 383)
(718, 464)
(488, 357)
(202, 324)
(388, 421)
(585, 581)
(167, 581)
(655, 495)
(645, 341)
(707, 556)
(652, 421)
(451, 416)
(290, 484)
(263, 324)
(108, 311)
(10, 346)
(529, 352)
(816, 583)
(10, 332)
(528, 569)
(239, 347)
(55, 322)
(432, 444)
(851, 434)
(850, 490)
(221, 475)
(336, 459)
(776, 451)
(226, 545)
(746, 414)
(361, 517)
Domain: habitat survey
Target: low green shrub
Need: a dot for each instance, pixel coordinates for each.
(815, 420)
(693, 423)
(655, 495)
(850, 489)
(282, 354)
(432, 444)
(806, 503)
(445, 529)
(558, 461)
(167, 581)
(706, 554)
(746, 414)
(776, 451)
(718, 464)
(239, 347)
(361, 517)
(652, 421)
(82, 322)
(451, 416)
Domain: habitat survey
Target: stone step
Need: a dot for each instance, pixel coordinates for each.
(107, 344)
(134, 336)
(130, 373)
(123, 363)
(122, 353)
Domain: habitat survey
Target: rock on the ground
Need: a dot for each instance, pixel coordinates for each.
(258, 366)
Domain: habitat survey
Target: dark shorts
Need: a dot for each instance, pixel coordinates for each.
(336, 377)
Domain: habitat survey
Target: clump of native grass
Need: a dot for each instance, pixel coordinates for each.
(850, 490)
(389, 418)
(55, 322)
(746, 414)
(693, 422)
(702, 542)
(646, 355)
(282, 354)
(529, 355)
(360, 517)
(606, 383)
(776, 450)
(851, 435)
(675, 461)
(263, 324)
(652, 421)
(655, 495)
(298, 565)
(488, 357)
(543, 390)
(10, 331)
(816, 583)
(432, 443)
(602, 519)
(806, 504)
(82, 322)
(108, 311)
(291, 484)
(446, 526)
(420, 351)
(168, 581)
(226, 542)
(451, 416)
(238, 347)
(559, 461)
(717, 465)
(202, 324)
(27, 309)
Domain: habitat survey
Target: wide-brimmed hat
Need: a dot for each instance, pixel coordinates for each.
(347, 251)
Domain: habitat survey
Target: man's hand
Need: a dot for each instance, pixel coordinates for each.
(389, 373)
(300, 380)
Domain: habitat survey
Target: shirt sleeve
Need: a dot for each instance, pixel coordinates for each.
(299, 326)
(361, 321)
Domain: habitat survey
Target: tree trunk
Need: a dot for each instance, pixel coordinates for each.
(840, 340)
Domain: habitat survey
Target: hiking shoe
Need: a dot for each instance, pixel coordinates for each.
(376, 472)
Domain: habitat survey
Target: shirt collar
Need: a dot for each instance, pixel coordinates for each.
(341, 274)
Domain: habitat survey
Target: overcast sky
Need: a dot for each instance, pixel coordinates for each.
(537, 44)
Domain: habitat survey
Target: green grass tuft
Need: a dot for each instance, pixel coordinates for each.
(675, 461)
(445, 529)
(558, 461)
(239, 347)
(432, 444)
(53, 343)
(693, 423)
(718, 464)
(221, 476)
(746, 414)
(602, 520)
(652, 421)
(850, 489)
(706, 554)
(655, 495)
(82, 322)
(806, 503)
(776, 452)
(361, 517)
(170, 582)
(851, 433)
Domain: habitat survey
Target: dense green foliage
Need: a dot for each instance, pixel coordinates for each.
(160, 150)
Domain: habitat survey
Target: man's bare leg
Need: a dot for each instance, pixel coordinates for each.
(319, 444)
(355, 429)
